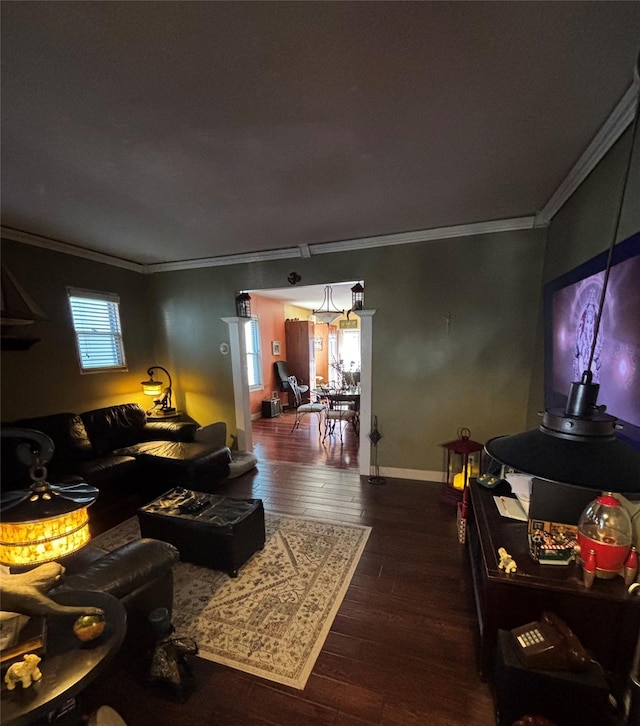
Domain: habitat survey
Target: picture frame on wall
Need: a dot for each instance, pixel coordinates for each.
(276, 347)
(317, 344)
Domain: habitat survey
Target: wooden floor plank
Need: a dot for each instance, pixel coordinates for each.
(401, 648)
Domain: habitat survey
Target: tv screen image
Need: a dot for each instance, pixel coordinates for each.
(571, 307)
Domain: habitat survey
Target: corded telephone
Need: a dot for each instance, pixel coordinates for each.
(549, 644)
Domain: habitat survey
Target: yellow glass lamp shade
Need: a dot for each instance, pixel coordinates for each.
(43, 540)
(151, 387)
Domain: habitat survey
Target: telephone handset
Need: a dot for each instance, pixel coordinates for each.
(549, 644)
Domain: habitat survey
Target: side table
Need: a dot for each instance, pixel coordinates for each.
(164, 417)
(69, 665)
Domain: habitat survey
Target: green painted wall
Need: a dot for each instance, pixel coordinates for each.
(456, 337)
(47, 379)
(429, 379)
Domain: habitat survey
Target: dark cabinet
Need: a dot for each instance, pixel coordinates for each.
(605, 618)
(299, 339)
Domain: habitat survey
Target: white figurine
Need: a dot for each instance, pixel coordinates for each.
(507, 563)
(25, 671)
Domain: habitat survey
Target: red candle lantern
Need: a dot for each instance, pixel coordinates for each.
(462, 463)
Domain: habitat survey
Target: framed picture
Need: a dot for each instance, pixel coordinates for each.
(317, 344)
(275, 347)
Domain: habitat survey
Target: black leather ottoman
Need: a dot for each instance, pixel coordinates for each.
(209, 530)
(191, 463)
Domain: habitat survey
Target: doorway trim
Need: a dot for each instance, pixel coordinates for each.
(241, 399)
(241, 385)
(366, 365)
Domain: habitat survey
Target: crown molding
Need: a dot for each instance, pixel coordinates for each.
(426, 235)
(47, 243)
(305, 251)
(301, 251)
(609, 133)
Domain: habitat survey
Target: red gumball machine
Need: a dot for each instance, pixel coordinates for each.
(462, 463)
(604, 541)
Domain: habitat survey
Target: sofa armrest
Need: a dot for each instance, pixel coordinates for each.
(125, 569)
(169, 431)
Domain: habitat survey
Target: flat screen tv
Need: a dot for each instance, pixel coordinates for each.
(570, 307)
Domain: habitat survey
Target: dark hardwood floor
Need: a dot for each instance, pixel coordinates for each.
(402, 646)
(273, 440)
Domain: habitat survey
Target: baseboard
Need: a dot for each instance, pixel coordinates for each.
(413, 474)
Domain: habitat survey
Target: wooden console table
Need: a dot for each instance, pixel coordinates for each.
(605, 618)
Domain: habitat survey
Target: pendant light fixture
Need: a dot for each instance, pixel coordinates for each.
(328, 313)
(578, 445)
(45, 522)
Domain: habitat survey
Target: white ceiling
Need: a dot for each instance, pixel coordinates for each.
(162, 132)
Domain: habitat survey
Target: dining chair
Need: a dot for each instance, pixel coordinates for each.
(337, 412)
(303, 408)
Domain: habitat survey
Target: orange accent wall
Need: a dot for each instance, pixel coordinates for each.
(271, 317)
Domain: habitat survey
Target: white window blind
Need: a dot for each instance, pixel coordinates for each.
(96, 322)
(254, 358)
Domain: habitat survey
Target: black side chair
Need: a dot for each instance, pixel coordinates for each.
(282, 378)
(282, 375)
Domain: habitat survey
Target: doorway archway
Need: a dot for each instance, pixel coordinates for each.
(241, 390)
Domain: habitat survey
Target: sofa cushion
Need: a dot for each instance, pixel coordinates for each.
(103, 469)
(69, 437)
(114, 427)
(170, 431)
(66, 430)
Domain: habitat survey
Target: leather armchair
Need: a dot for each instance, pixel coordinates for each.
(139, 574)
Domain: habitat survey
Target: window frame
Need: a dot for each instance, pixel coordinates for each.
(253, 356)
(114, 333)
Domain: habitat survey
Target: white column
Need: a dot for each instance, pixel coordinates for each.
(240, 381)
(366, 418)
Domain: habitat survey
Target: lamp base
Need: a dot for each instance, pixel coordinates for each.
(162, 413)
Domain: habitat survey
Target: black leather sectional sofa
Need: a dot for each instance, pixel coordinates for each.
(129, 459)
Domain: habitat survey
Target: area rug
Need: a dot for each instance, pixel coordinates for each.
(272, 620)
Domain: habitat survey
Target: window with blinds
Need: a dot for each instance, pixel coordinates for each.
(254, 357)
(96, 322)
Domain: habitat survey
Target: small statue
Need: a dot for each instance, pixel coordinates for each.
(170, 671)
(25, 672)
(25, 592)
(507, 563)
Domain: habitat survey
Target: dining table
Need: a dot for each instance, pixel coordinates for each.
(336, 398)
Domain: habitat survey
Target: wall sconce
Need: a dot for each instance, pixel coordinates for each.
(45, 522)
(161, 406)
(328, 315)
(243, 305)
(357, 297)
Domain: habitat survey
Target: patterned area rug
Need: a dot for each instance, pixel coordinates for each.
(272, 620)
